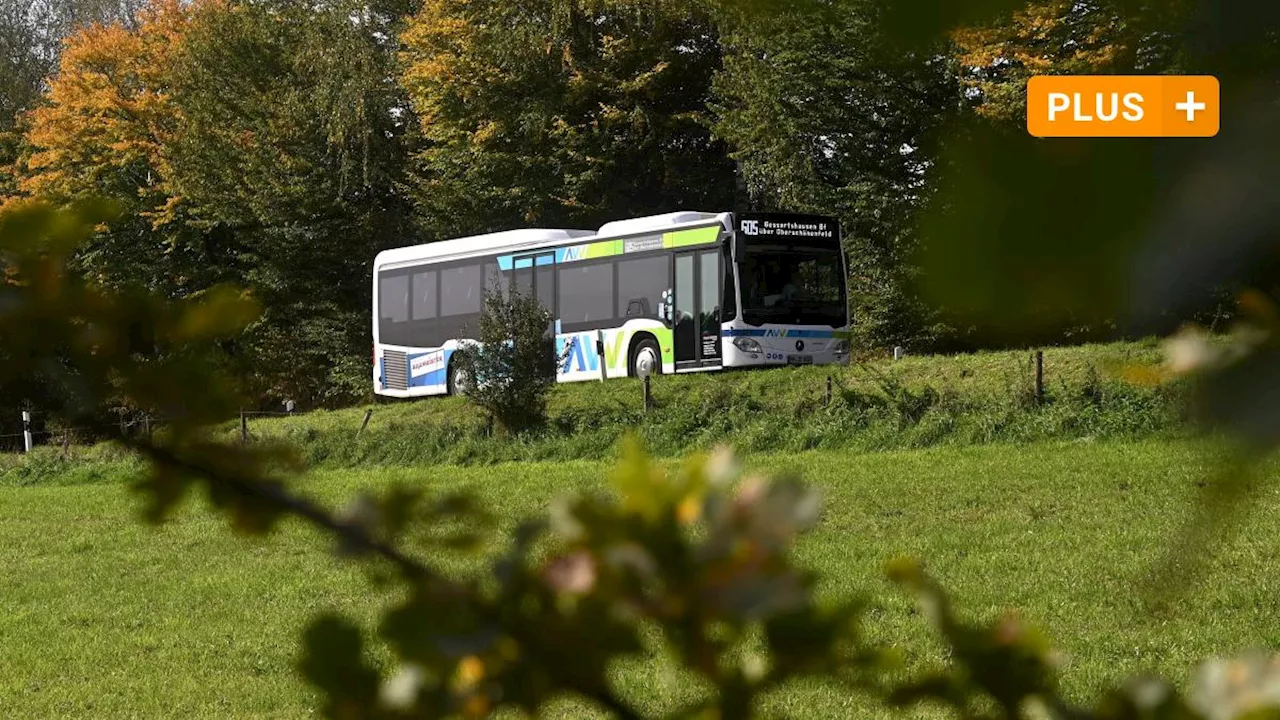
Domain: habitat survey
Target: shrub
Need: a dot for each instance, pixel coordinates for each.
(513, 367)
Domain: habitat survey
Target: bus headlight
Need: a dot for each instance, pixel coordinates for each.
(841, 347)
(746, 344)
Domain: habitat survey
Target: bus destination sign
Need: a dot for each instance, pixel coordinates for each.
(782, 226)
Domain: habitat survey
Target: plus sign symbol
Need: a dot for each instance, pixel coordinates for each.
(1191, 106)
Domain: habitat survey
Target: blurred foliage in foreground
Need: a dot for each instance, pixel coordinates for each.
(702, 558)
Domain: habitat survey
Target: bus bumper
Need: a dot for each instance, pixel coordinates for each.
(766, 352)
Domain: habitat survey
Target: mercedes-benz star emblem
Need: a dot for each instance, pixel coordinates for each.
(799, 345)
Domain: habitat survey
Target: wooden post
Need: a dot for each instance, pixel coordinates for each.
(26, 430)
(648, 394)
(827, 401)
(146, 426)
(244, 428)
(1039, 362)
(604, 369)
(367, 414)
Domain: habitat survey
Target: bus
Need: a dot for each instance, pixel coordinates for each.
(673, 293)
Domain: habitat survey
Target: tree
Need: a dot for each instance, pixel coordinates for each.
(561, 113)
(513, 368)
(1062, 37)
(255, 141)
(103, 131)
(824, 118)
(291, 149)
(31, 34)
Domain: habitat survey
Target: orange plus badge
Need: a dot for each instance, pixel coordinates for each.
(1122, 106)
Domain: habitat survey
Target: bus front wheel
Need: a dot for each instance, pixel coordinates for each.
(646, 358)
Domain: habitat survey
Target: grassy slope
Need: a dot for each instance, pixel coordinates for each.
(917, 402)
(101, 615)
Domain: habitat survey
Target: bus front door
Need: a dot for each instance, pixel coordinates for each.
(696, 321)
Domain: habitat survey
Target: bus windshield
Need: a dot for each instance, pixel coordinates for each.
(793, 284)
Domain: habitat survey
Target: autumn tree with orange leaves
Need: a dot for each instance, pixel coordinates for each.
(103, 131)
(246, 142)
(1063, 37)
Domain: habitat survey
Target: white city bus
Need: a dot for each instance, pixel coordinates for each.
(674, 293)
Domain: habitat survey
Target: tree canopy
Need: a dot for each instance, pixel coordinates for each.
(282, 144)
(562, 113)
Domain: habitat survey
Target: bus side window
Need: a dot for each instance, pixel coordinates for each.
(461, 287)
(494, 279)
(586, 296)
(424, 306)
(424, 295)
(641, 283)
(393, 308)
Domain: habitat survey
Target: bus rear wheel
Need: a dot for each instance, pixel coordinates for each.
(458, 380)
(646, 358)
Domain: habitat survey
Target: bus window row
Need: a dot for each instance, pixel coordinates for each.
(425, 306)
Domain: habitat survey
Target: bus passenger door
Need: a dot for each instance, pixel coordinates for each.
(696, 320)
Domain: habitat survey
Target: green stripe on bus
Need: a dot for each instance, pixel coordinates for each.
(608, 248)
(699, 236)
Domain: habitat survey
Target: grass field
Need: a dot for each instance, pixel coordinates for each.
(879, 405)
(102, 616)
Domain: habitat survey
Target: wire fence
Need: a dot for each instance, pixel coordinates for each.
(32, 429)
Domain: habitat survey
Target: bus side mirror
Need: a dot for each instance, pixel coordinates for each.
(738, 247)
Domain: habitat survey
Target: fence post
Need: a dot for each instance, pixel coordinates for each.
(1039, 388)
(244, 428)
(827, 401)
(367, 414)
(648, 396)
(146, 426)
(26, 430)
(604, 369)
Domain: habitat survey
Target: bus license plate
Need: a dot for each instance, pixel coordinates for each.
(799, 359)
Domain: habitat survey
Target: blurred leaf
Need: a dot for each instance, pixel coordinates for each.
(333, 660)
(919, 22)
(1218, 226)
(1243, 398)
(1028, 237)
(1245, 687)
(216, 313)
(1144, 699)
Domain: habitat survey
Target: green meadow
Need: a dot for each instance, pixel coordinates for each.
(103, 616)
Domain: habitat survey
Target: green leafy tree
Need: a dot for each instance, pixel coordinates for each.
(824, 117)
(513, 368)
(561, 113)
(289, 154)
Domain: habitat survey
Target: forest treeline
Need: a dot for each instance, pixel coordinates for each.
(280, 145)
